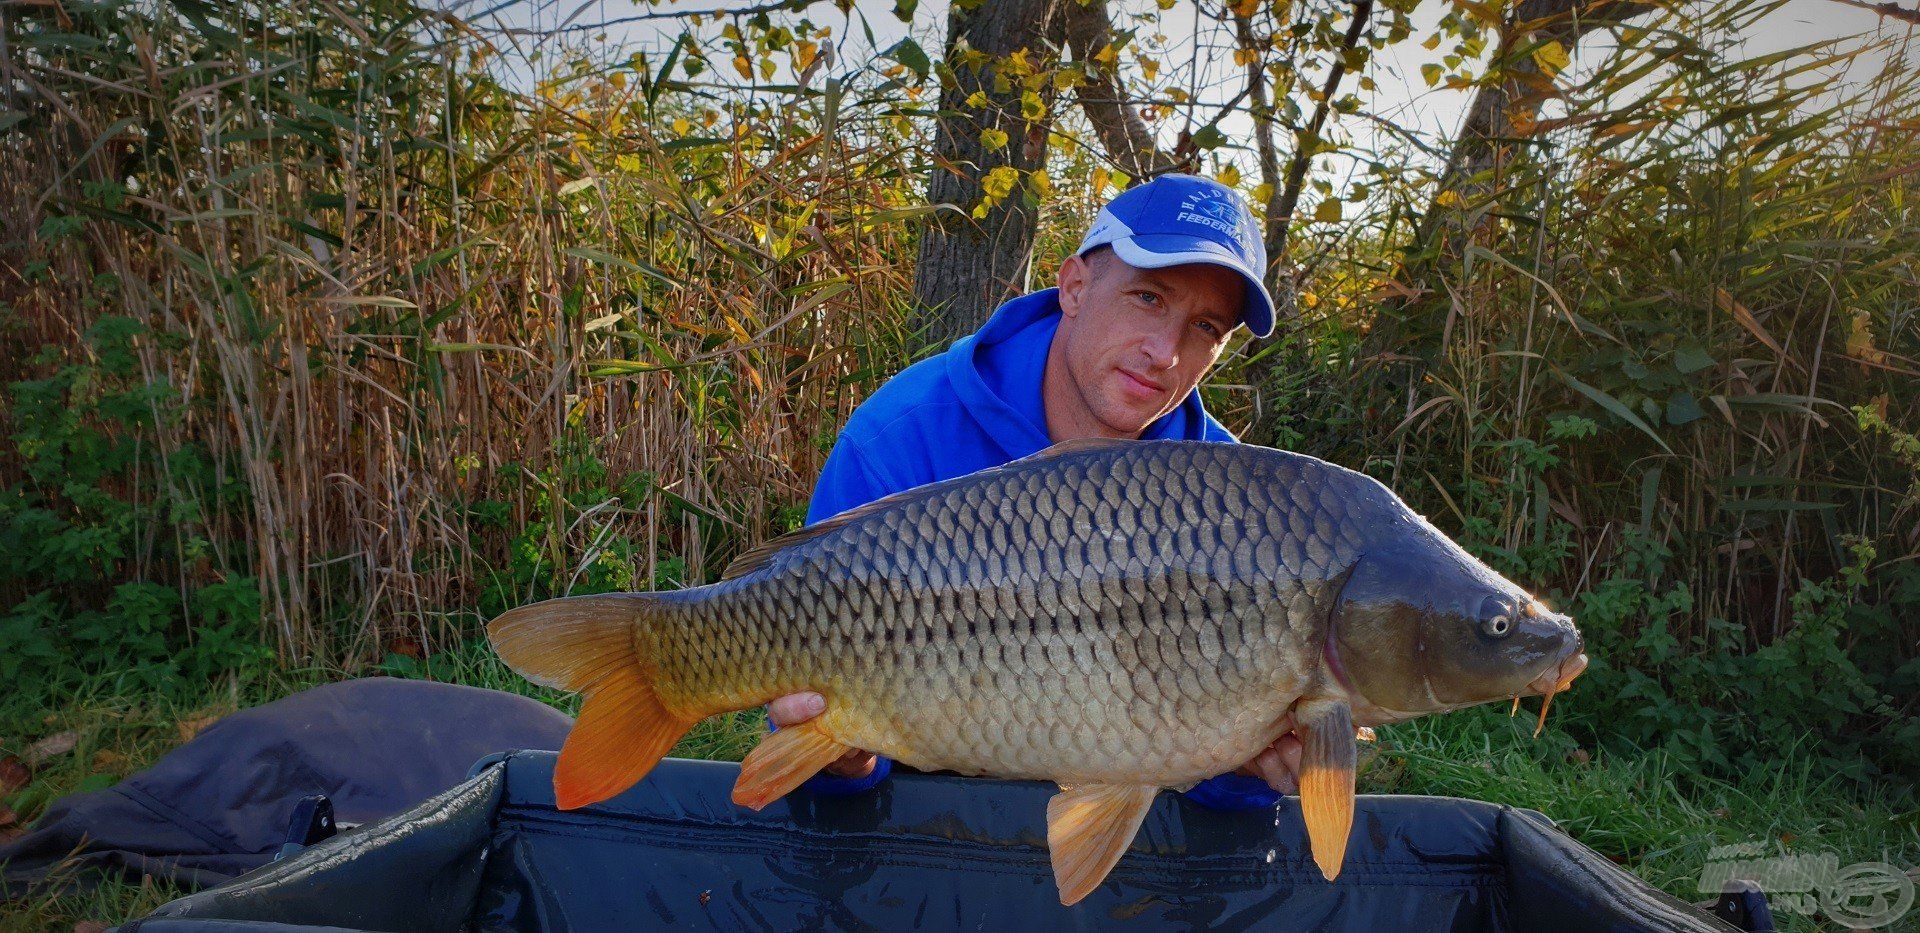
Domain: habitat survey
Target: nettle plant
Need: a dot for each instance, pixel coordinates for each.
(87, 506)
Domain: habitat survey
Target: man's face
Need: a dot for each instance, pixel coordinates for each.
(1136, 341)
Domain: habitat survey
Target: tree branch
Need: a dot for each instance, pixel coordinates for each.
(1890, 10)
(1125, 136)
(1308, 141)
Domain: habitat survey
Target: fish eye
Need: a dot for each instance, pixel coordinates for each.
(1496, 617)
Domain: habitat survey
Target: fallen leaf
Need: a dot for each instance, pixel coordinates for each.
(56, 744)
(107, 759)
(14, 774)
(191, 726)
(89, 926)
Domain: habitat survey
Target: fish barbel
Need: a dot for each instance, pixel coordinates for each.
(1114, 616)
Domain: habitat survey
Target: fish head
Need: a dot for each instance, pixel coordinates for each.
(1421, 626)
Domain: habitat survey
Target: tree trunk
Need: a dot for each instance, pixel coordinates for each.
(968, 266)
(1480, 151)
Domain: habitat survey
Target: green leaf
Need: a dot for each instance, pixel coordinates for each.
(1682, 408)
(1327, 210)
(904, 9)
(1690, 359)
(909, 53)
(1210, 137)
(1431, 74)
(605, 258)
(1611, 404)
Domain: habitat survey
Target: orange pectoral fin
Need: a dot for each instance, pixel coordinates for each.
(1089, 828)
(622, 732)
(1327, 762)
(783, 761)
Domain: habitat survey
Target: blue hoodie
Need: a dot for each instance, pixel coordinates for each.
(971, 408)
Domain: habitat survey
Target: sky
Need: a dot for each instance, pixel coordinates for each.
(1401, 95)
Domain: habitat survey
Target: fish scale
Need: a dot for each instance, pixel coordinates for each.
(1113, 616)
(1148, 610)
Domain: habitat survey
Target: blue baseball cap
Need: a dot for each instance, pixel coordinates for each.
(1178, 219)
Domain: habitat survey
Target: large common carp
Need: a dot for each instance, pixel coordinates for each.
(1115, 616)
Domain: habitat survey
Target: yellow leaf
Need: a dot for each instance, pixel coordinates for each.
(1149, 67)
(1551, 56)
(993, 139)
(1431, 73)
(681, 126)
(766, 69)
(1450, 199)
(1229, 176)
(803, 55)
(1262, 193)
(999, 182)
(1099, 178)
(977, 100)
(1327, 210)
(1244, 57)
(1165, 4)
(1031, 107)
(744, 65)
(627, 163)
(1433, 42)
(1246, 7)
(1040, 183)
(1106, 55)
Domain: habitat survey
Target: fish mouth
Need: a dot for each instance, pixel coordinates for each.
(1554, 681)
(1557, 678)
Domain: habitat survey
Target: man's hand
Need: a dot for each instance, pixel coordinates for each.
(1278, 764)
(797, 708)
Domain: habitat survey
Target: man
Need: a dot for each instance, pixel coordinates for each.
(1142, 310)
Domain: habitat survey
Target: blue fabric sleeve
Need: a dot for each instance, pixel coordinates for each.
(1232, 792)
(846, 481)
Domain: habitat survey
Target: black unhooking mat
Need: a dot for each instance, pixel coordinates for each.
(219, 805)
(924, 852)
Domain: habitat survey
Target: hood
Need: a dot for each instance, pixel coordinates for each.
(996, 373)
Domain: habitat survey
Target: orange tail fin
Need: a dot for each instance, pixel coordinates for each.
(586, 644)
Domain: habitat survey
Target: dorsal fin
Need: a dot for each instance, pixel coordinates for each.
(755, 558)
(1077, 445)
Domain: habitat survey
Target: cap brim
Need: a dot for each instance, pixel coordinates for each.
(1162, 250)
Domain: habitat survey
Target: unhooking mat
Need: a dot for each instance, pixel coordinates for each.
(924, 852)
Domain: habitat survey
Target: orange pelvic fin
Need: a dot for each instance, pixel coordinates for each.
(783, 761)
(1327, 762)
(587, 644)
(1088, 828)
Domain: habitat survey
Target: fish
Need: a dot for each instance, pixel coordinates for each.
(1115, 616)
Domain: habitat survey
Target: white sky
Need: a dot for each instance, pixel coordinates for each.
(1401, 95)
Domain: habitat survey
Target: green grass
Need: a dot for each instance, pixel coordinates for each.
(1637, 809)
